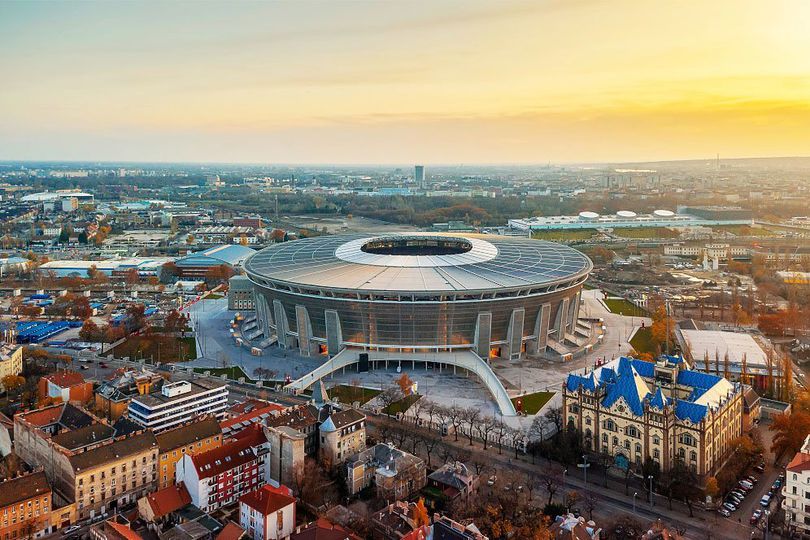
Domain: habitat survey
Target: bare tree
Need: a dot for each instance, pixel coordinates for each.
(499, 432)
(471, 417)
(518, 438)
(483, 428)
(388, 397)
(590, 502)
(455, 415)
(430, 444)
(550, 482)
(431, 409)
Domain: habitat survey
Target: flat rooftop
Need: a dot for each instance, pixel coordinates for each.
(198, 386)
(736, 344)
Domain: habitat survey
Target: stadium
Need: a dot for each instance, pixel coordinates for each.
(500, 296)
(445, 298)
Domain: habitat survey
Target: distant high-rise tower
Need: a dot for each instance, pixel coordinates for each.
(419, 176)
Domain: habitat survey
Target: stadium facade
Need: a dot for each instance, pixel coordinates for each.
(496, 296)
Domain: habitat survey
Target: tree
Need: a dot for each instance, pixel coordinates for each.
(551, 484)
(12, 383)
(131, 277)
(712, 489)
(420, 514)
(405, 384)
(388, 397)
(82, 237)
(90, 331)
(471, 417)
(277, 235)
(789, 432)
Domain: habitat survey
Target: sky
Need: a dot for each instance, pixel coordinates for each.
(435, 81)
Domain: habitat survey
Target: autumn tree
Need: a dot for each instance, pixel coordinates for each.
(90, 331)
(790, 430)
(420, 514)
(405, 384)
(12, 383)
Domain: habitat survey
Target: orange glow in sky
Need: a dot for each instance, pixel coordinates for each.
(401, 82)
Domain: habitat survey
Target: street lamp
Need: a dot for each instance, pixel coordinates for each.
(565, 471)
(585, 467)
(634, 501)
(650, 478)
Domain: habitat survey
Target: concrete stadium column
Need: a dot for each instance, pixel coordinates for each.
(263, 313)
(514, 336)
(540, 342)
(570, 321)
(562, 316)
(483, 334)
(304, 327)
(282, 325)
(334, 336)
(575, 317)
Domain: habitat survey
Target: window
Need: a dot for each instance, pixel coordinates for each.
(693, 455)
(615, 441)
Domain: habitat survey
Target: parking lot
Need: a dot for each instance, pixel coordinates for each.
(766, 480)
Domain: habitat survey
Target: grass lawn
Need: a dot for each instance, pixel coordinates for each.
(213, 296)
(624, 307)
(646, 232)
(349, 394)
(745, 230)
(533, 402)
(402, 405)
(232, 372)
(564, 234)
(642, 341)
(163, 348)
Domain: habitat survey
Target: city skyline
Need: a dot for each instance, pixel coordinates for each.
(417, 82)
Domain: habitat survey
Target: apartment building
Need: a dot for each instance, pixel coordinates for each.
(199, 436)
(178, 403)
(26, 506)
(221, 476)
(342, 435)
(268, 513)
(11, 360)
(797, 490)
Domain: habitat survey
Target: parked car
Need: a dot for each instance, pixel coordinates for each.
(492, 480)
(735, 498)
(776, 485)
(760, 468)
(739, 492)
(765, 500)
(728, 506)
(71, 529)
(755, 516)
(751, 478)
(723, 512)
(746, 485)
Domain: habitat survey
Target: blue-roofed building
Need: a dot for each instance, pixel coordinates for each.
(661, 411)
(198, 263)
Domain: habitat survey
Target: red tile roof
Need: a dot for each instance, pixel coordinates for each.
(43, 417)
(799, 463)
(267, 500)
(65, 379)
(230, 455)
(323, 529)
(124, 531)
(251, 416)
(167, 500)
(231, 531)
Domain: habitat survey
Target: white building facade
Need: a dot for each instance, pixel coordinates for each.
(178, 403)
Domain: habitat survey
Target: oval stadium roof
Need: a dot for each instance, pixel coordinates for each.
(490, 263)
